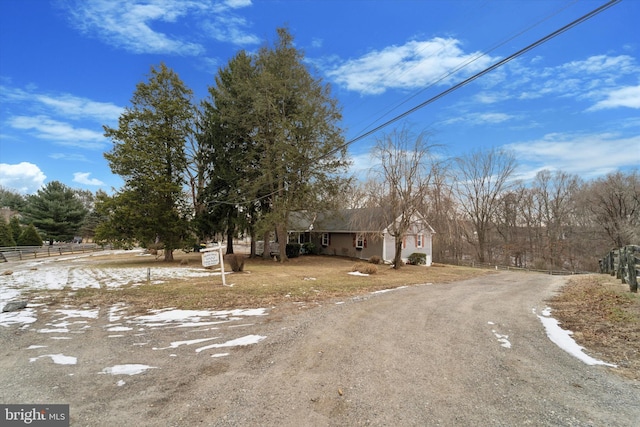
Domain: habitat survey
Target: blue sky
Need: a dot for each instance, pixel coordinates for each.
(67, 67)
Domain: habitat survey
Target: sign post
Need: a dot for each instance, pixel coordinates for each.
(213, 256)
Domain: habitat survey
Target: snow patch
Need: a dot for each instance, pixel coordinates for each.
(562, 338)
(131, 369)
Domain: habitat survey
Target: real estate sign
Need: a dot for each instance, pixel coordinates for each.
(210, 258)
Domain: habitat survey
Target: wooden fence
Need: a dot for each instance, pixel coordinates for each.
(624, 263)
(19, 253)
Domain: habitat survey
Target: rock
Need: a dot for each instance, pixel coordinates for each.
(14, 306)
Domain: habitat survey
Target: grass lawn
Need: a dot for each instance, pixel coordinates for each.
(262, 283)
(604, 317)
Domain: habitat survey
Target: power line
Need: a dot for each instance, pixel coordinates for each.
(481, 73)
(457, 86)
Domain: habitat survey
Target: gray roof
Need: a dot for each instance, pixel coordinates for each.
(342, 220)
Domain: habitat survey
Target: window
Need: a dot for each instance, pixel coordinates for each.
(326, 241)
(420, 241)
(359, 241)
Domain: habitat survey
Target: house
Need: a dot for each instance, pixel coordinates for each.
(359, 233)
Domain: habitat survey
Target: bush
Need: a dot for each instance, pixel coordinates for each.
(293, 250)
(6, 238)
(236, 261)
(365, 268)
(375, 259)
(310, 248)
(30, 237)
(418, 259)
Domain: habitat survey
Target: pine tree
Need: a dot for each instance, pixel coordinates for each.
(149, 154)
(29, 237)
(6, 239)
(57, 211)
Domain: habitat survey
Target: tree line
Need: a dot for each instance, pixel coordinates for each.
(267, 142)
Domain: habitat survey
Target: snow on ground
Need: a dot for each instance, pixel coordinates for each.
(562, 338)
(48, 274)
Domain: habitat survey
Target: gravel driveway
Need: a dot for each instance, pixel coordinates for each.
(472, 353)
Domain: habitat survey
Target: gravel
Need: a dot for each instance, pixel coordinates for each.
(467, 353)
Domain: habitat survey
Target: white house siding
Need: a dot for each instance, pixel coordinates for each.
(409, 247)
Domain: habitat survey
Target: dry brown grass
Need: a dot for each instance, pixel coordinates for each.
(263, 283)
(604, 317)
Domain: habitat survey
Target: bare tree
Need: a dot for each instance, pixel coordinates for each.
(440, 207)
(401, 183)
(556, 194)
(615, 202)
(483, 177)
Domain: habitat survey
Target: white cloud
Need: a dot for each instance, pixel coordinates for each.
(236, 4)
(416, 64)
(25, 178)
(587, 155)
(83, 178)
(479, 119)
(69, 156)
(61, 133)
(229, 29)
(128, 24)
(623, 97)
(64, 104)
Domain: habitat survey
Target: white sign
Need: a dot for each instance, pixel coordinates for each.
(210, 258)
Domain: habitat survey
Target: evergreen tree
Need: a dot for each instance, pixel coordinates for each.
(278, 126)
(149, 154)
(6, 239)
(56, 210)
(29, 237)
(15, 227)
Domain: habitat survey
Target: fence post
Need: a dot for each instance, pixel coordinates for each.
(624, 265)
(631, 267)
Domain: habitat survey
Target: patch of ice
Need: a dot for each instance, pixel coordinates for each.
(502, 339)
(20, 317)
(562, 338)
(91, 314)
(176, 344)
(383, 291)
(246, 340)
(357, 273)
(58, 359)
(131, 369)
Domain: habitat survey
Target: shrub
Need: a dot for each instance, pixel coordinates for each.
(375, 259)
(365, 268)
(236, 261)
(292, 250)
(418, 259)
(6, 238)
(310, 248)
(29, 237)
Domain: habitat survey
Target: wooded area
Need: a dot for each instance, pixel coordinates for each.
(267, 142)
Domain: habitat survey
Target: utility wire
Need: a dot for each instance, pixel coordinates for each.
(457, 86)
(480, 74)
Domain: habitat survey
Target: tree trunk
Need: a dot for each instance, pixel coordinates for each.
(397, 259)
(282, 242)
(252, 252)
(265, 247)
(230, 234)
(168, 255)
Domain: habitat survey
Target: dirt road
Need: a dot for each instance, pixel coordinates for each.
(469, 353)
